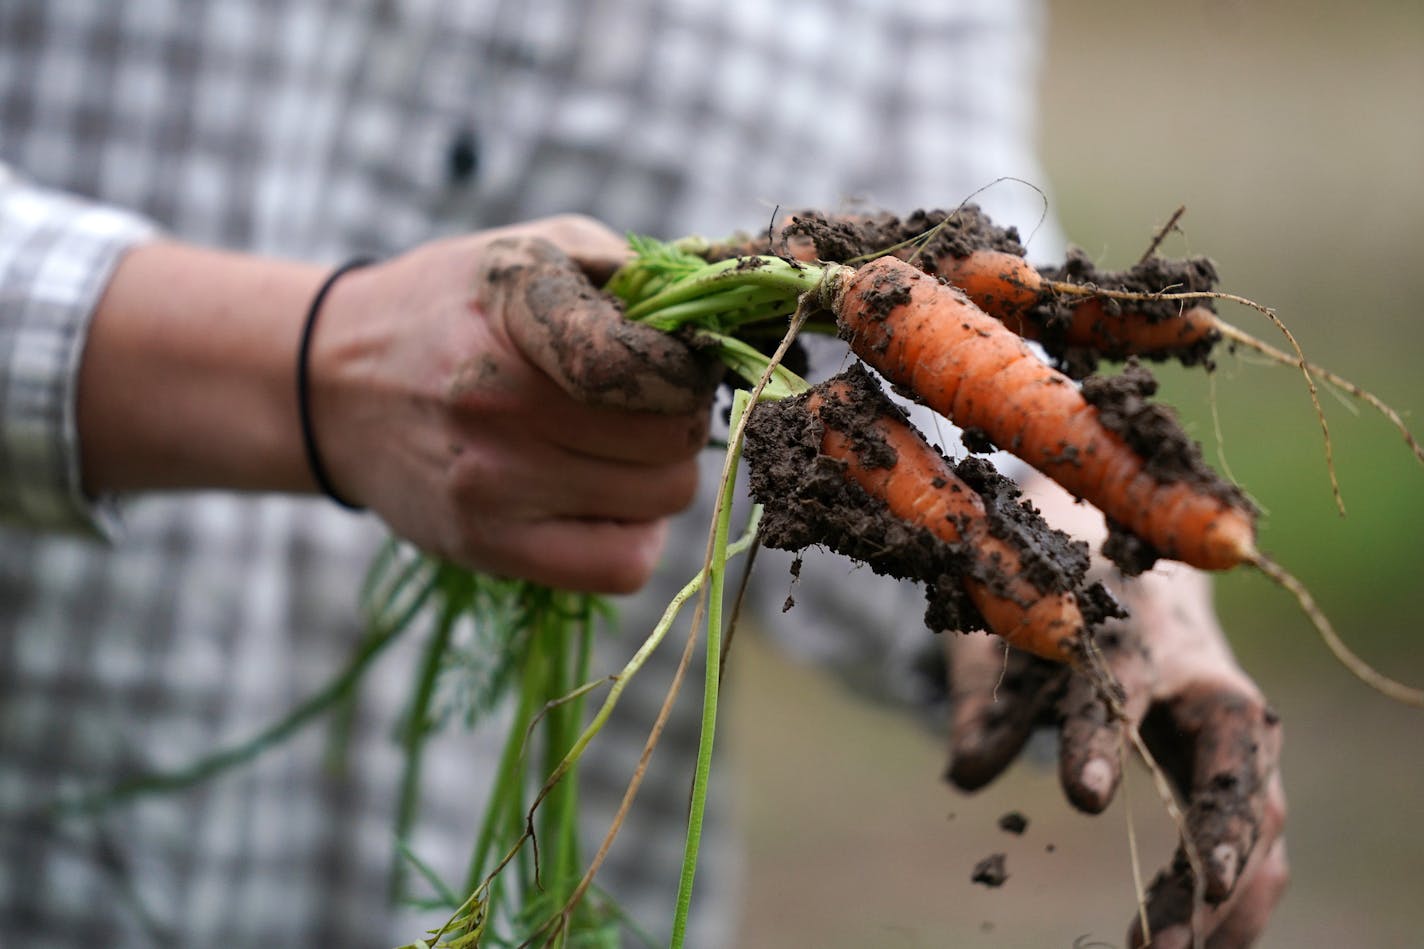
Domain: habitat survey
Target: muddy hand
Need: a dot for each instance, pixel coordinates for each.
(1208, 728)
(481, 396)
(1202, 718)
(578, 337)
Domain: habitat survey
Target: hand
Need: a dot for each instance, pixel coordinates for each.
(1202, 718)
(482, 397)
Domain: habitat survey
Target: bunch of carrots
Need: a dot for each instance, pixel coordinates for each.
(942, 306)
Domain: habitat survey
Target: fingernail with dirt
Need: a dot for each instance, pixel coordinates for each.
(1178, 937)
(1224, 861)
(1096, 779)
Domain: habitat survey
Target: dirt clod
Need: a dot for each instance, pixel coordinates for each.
(991, 871)
(1124, 404)
(960, 232)
(1014, 822)
(1054, 314)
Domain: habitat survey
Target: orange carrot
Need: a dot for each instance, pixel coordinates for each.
(1004, 285)
(841, 466)
(1010, 289)
(928, 337)
(920, 488)
(1007, 287)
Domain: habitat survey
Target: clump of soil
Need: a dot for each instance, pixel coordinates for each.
(991, 871)
(843, 238)
(1053, 314)
(809, 500)
(1124, 404)
(960, 232)
(1014, 822)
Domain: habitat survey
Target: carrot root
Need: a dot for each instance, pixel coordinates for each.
(1242, 338)
(1362, 670)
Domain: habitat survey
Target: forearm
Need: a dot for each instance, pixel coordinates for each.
(475, 393)
(187, 375)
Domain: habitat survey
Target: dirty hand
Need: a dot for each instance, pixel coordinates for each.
(484, 399)
(1202, 718)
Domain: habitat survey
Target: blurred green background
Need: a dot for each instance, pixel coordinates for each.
(1294, 135)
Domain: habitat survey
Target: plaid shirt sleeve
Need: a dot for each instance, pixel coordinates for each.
(56, 255)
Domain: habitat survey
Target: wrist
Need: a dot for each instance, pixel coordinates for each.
(186, 379)
(316, 464)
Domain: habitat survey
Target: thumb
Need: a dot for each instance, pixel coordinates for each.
(998, 695)
(579, 338)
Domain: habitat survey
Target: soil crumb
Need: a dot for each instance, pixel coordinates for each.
(991, 871)
(1014, 822)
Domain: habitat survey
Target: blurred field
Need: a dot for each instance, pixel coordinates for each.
(1294, 134)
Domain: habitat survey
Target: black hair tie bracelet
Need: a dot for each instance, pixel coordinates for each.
(318, 470)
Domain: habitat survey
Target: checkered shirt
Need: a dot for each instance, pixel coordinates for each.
(140, 633)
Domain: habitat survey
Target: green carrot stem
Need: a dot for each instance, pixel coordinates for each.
(724, 309)
(610, 702)
(509, 778)
(569, 848)
(751, 364)
(716, 582)
(417, 729)
(793, 279)
(560, 816)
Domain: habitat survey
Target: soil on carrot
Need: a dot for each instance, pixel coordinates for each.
(841, 239)
(1054, 314)
(957, 233)
(1051, 321)
(809, 500)
(1124, 404)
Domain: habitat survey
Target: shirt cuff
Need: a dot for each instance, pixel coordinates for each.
(57, 253)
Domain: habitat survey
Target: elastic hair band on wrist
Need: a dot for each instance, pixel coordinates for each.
(314, 463)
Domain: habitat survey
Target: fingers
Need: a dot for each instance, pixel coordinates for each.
(643, 438)
(589, 556)
(488, 393)
(506, 474)
(1237, 749)
(596, 249)
(1090, 759)
(1242, 919)
(1235, 924)
(998, 697)
(1235, 817)
(1257, 896)
(577, 336)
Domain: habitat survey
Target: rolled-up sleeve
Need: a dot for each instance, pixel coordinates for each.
(57, 253)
